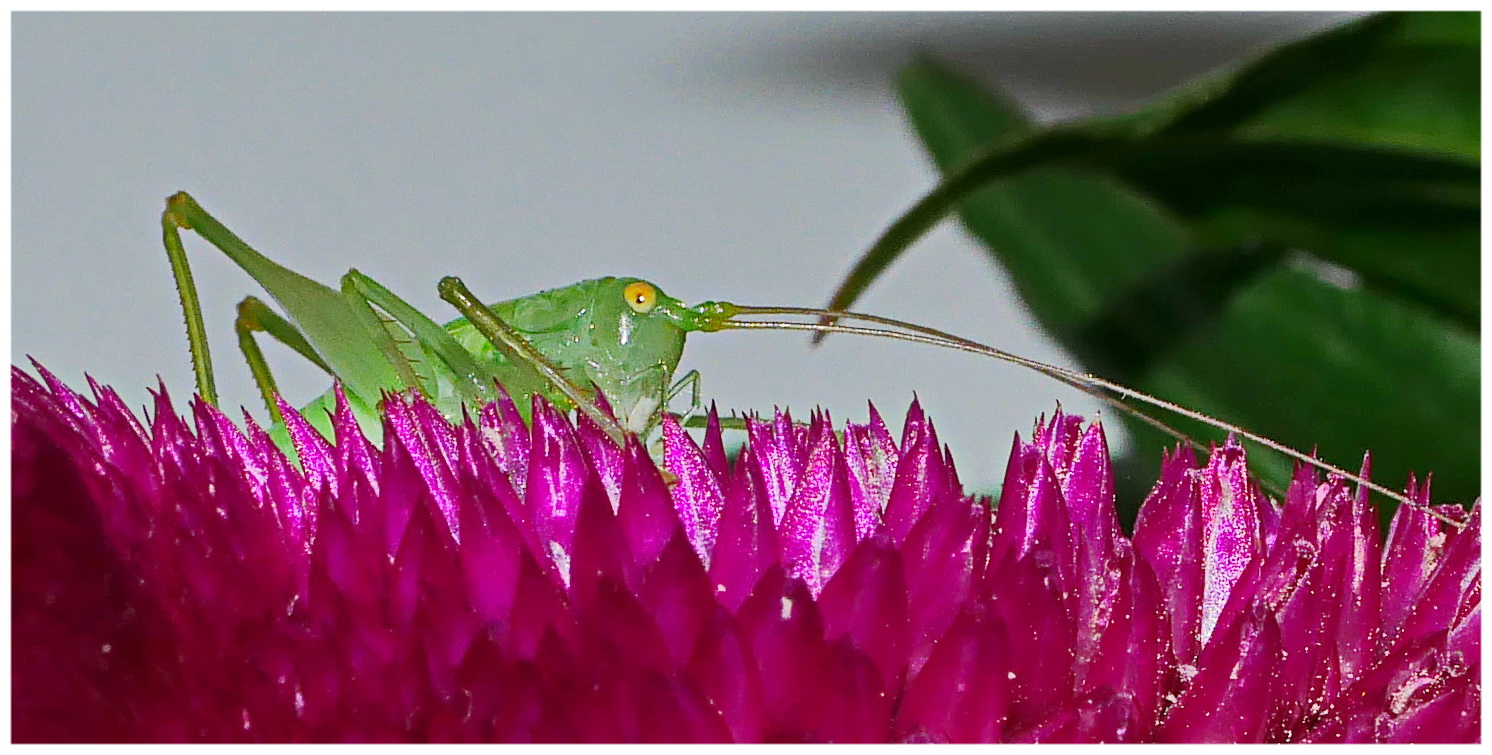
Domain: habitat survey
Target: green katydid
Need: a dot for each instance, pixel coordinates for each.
(622, 337)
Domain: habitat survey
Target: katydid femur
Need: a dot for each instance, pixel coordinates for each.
(619, 337)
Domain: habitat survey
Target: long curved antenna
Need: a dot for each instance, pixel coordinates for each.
(933, 337)
(1077, 381)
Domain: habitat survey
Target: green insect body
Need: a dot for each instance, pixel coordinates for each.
(622, 337)
(625, 344)
(587, 330)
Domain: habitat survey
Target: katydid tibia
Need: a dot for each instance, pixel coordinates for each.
(621, 337)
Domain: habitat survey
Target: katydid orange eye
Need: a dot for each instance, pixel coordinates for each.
(640, 296)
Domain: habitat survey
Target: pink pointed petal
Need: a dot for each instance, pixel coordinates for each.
(491, 552)
(783, 626)
(354, 451)
(556, 475)
(792, 437)
(697, 497)
(1134, 657)
(1057, 441)
(413, 427)
(1229, 698)
(1359, 630)
(1088, 490)
(851, 704)
(714, 446)
(1408, 560)
(282, 486)
(963, 692)
(942, 558)
(616, 622)
(598, 554)
(677, 712)
(59, 396)
(504, 429)
(871, 456)
(645, 510)
(679, 596)
(1454, 717)
(1032, 514)
(540, 609)
(866, 601)
(776, 462)
(1230, 530)
(1037, 525)
(920, 475)
(1456, 572)
(817, 528)
(1168, 536)
(603, 456)
(312, 449)
(748, 543)
(725, 669)
(1041, 641)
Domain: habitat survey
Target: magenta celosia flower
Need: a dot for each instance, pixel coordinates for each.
(488, 581)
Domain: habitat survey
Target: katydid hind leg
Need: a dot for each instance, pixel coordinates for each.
(378, 332)
(321, 314)
(470, 378)
(191, 308)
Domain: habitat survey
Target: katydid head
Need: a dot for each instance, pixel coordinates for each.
(634, 340)
(637, 337)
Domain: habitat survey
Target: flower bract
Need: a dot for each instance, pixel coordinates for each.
(182, 580)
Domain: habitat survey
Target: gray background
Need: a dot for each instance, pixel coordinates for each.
(740, 157)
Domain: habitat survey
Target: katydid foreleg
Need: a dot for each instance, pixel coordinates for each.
(503, 336)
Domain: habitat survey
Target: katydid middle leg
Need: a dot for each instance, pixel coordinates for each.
(254, 316)
(690, 380)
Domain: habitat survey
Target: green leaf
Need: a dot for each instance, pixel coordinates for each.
(1158, 246)
(1370, 374)
(1406, 223)
(1402, 80)
(1335, 77)
(1068, 236)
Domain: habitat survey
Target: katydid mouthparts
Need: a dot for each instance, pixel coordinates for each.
(606, 343)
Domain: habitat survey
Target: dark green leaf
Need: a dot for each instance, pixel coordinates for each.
(1369, 81)
(1070, 238)
(1406, 223)
(1369, 374)
(1154, 245)
(1404, 80)
(1033, 214)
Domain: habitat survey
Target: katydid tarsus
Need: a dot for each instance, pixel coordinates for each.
(622, 337)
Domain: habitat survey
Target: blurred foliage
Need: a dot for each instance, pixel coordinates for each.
(1292, 245)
